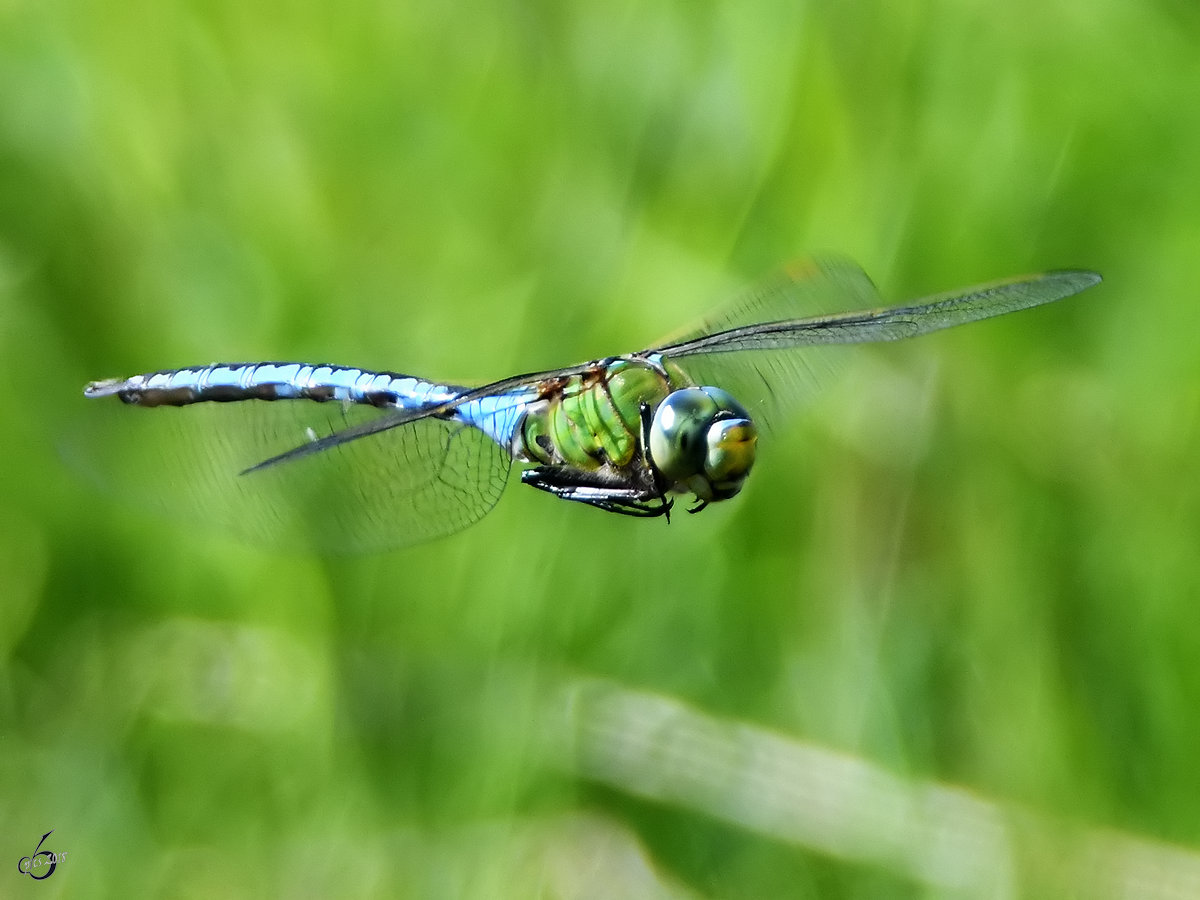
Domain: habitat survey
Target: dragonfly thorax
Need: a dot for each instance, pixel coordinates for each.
(703, 441)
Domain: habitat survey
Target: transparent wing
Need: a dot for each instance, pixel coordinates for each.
(775, 383)
(894, 323)
(770, 377)
(426, 479)
(808, 287)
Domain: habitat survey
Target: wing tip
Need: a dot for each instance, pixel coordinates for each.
(1077, 279)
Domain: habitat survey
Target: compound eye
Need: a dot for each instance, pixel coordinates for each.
(731, 446)
(678, 433)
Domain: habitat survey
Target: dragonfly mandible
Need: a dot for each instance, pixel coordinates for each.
(380, 459)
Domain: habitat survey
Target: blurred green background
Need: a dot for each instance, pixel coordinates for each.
(945, 642)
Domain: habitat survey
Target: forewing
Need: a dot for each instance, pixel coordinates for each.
(770, 345)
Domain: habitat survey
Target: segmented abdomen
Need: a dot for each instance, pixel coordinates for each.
(496, 416)
(274, 381)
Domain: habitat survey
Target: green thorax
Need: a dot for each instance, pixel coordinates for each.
(593, 419)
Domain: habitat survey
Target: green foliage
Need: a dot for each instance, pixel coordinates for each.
(973, 562)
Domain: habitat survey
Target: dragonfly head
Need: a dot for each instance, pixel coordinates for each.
(703, 441)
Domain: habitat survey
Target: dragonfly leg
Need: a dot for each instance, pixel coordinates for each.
(567, 484)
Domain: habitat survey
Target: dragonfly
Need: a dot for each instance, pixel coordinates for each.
(357, 459)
